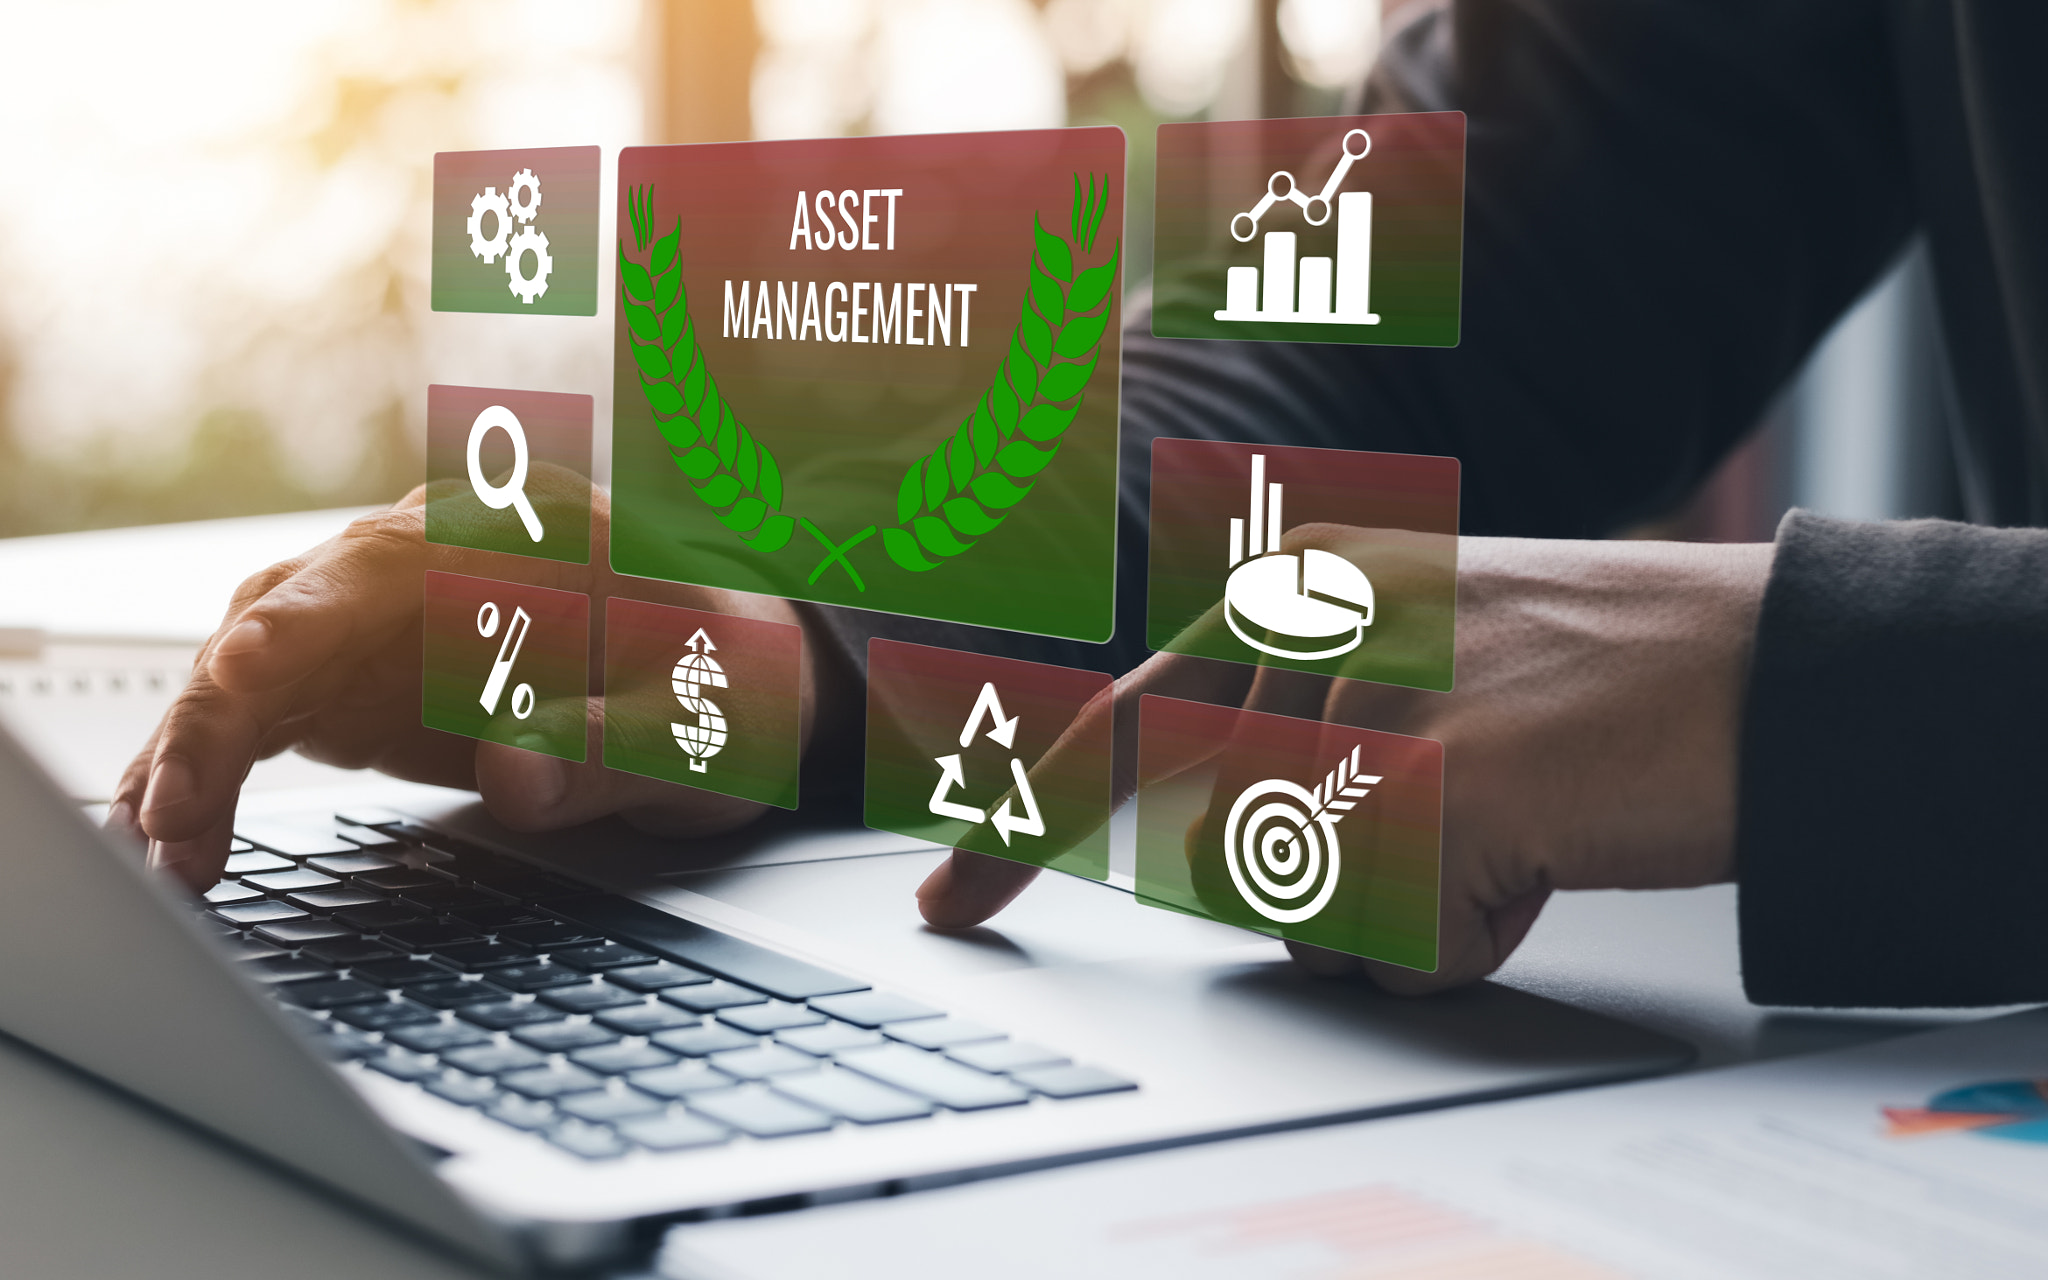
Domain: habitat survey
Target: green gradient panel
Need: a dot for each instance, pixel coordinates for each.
(811, 448)
(704, 699)
(552, 429)
(1410, 278)
(1400, 511)
(534, 209)
(504, 662)
(920, 703)
(1351, 851)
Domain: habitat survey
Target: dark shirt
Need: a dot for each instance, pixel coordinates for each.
(1668, 203)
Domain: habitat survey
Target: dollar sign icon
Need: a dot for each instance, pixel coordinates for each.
(706, 738)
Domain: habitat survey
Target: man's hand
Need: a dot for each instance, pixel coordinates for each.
(1590, 741)
(322, 653)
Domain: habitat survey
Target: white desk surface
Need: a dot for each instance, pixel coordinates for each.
(93, 1184)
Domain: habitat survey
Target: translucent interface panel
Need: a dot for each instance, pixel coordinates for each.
(874, 371)
(1371, 594)
(516, 231)
(704, 699)
(509, 471)
(960, 753)
(1314, 832)
(1334, 229)
(507, 663)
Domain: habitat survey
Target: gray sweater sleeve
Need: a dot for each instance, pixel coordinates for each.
(1891, 843)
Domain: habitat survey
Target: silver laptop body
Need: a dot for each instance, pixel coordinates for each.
(113, 971)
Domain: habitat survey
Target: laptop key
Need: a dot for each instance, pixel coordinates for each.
(426, 935)
(561, 1037)
(760, 1113)
(503, 1015)
(681, 1080)
(294, 839)
(386, 1016)
(592, 1142)
(659, 976)
(601, 1107)
(345, 951)
(245, 914)
(696, 1042)
(301, 930)
(437, 1036)
(760, 1019)
(453, 993)
(385, 915)
(873, 1008)
(342, 1044)
(463, 1090)
(829, 1038)
(493, 1059)
(550, 1082)
(255, 863)
(646, 1019)
(853, 1097)
(399, 973)
(592, 997)
(939, 1033)
(351, 864)
(617, 1059)
(605, 955)
(229, 892)
(673, 1133)
(279, 968)
(290, 881)
(369, 815)
(475, 957)
(404, 1064)
(329, 994)
(710, 997)
(328, 901)
(762, 1061)
(444, 897)
(236, 947)
(947, 1083)
(239, 845)
(521, 1113)
(399, 879)
(1071, 1081)
(547, 937)
(537, 976)
(705, 948)
(1005, 1055)
(504, 915)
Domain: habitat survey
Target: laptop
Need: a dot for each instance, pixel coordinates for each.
(536, 1051)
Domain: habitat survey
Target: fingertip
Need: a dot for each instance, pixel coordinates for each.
(967, 888)
(523, 789)
(238, 659)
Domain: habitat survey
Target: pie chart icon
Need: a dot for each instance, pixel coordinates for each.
(1315, 605)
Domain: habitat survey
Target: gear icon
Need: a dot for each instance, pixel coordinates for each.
(490, 202)
(529, 287)
(524, 210)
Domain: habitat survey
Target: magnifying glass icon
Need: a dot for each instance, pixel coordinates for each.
(513, 492)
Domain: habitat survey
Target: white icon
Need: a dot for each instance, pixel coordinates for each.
(1280, 843)
(513, 492)
(1243, 298)
(1321, 601)
(953, 773)
(706, 738)
(508, 653)
(520, 204)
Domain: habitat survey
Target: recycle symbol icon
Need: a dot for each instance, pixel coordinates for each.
(520, 203)
(952, 773)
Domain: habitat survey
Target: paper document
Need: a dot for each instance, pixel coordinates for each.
(1921, 1156)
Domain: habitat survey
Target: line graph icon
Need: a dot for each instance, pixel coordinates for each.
(1245, 299)
(508, 654)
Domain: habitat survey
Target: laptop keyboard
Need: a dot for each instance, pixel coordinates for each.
(595, 1022)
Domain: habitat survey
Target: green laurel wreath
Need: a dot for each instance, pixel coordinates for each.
(950, 498)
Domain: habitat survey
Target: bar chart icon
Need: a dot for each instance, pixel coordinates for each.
(1313, 290)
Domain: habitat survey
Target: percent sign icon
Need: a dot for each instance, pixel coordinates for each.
(487, 619)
